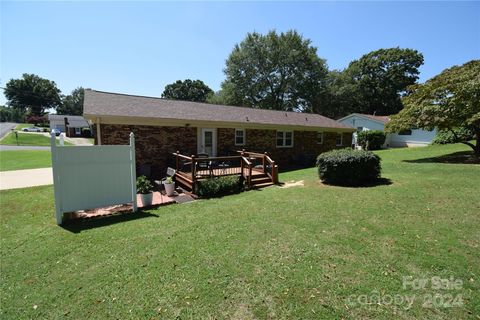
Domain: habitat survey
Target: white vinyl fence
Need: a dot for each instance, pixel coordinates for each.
(88, 177)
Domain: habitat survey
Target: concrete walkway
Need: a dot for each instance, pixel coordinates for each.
(25, 178)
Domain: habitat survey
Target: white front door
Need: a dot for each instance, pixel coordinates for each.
(208, 142)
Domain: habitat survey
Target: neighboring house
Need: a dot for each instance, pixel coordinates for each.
(74, 127)
(407, 138)
(163, 126)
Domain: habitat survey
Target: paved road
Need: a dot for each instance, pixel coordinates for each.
(6, 127)
(25, 178)
(13, 148)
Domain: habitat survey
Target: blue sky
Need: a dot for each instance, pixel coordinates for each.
(139, 47)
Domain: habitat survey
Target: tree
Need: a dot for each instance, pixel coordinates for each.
(32, 94)
(381, 77)
(447, 101)
(72, 104)
(340, 97)
(188, 90)
(9, 114)
(274, 71)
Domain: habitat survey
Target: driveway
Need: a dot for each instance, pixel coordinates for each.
(25, 178)
(6, 127)
(78, 141)
(13, 148)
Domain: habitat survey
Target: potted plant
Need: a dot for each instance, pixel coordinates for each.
(169, 186)
(144, 188)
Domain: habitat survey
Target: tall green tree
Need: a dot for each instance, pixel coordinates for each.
(33, 94)
(447, 101)
(380, 78)
(188, 90)
(72, 104)
(274, 71)
(9, 114)
(340, 97)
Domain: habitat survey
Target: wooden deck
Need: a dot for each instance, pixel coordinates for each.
(256, 169)
(221, 172)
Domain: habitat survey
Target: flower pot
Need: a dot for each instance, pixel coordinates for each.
(147, 199)
(169, 188)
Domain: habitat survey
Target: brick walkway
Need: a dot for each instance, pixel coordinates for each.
(158, 200)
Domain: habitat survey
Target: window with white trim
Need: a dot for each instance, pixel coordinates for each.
(284, 139)
(239, 137)
(319, 137)
(78, 131)
(339, 139)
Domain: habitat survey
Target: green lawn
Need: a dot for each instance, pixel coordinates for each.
(302, 252)
(20, 126)
(24, 159)
(28, 139)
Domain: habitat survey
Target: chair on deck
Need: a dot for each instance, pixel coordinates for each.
(203, 165)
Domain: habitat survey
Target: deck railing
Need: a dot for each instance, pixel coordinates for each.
(246, 164)
(268, 165)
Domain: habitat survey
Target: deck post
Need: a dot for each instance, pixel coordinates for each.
(264, 162)
(241, 165)
(274, 173)
(250, 175)
(176, 160)
(193, 169)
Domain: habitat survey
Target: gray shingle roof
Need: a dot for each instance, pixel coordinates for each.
(74, 121)
(106, 104)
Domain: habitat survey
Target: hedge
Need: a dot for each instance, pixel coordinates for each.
(348, 167)
(374, 138)
(219, 186)
(447, 136)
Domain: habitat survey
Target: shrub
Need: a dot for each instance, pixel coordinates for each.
(348, 167)
(371, 140)
(447, 136)
(40, 121)
(144, 185)
(87, 133)
(219, 186)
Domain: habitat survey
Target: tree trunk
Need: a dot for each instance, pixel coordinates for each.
(476, 150)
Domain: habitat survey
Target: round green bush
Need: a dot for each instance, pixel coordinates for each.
(348, 167)
(371, 140)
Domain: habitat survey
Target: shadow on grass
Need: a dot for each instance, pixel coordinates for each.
(465, 157)
(79, 225)
(376, 183)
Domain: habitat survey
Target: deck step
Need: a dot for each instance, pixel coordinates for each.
(261, 180)
(184, 182)
(262, 185)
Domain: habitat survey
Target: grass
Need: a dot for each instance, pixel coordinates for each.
(24, 159)
(28, 139)
(20, 126)
(281, 253)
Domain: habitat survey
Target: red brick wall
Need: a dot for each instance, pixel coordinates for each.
(155, 145)
(305, 142)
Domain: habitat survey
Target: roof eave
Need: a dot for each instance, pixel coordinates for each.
(109, 119)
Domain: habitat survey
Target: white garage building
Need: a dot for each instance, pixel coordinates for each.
(407, 138)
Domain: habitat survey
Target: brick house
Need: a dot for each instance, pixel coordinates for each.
(163, 126)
